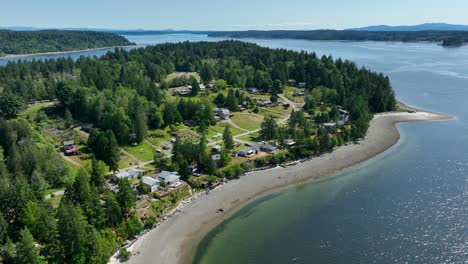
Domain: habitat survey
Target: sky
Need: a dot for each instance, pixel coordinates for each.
(228, 15)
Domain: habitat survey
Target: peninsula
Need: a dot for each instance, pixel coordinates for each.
(45, 41)
(446, 38)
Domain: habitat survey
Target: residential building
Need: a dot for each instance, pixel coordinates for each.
(70, 148)
(329, 126)
(152, 183)
(269, 148)
(343, 116)
(301, 85)
(248, 151)
(253, 90)
(128, 174)
(172, 179)
(222, 113)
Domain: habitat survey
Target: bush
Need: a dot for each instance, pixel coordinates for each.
(150, 222)
(124, 254)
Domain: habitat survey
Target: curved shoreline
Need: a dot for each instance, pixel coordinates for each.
(19, 56)
(176, 241)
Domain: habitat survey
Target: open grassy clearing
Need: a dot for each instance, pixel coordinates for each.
(247, 121)
(142, 151)
(278, 112)
(219, 128)
(187, 75)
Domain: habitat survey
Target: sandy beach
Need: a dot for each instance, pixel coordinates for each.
(175, 240)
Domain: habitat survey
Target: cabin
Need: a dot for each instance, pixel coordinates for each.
(70, 148)
(269, 148)
(216, 148)
(253, 90)
(297, 93)
(87, 128)
(222, 113)
(301, 85)
(152, 183)
(128, 174)
(329, 126)
(172, 179)
(247, 152)
(343, 116)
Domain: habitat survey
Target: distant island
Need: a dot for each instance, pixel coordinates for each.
(420, 27)
(27, 42)
(447, 38)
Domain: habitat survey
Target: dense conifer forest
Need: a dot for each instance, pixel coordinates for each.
(26, 42)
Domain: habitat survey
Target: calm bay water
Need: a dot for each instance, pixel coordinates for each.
(409, 205)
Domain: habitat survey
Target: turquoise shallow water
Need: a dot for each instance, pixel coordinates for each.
(409, 205)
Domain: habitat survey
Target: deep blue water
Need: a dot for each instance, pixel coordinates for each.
(409, 205)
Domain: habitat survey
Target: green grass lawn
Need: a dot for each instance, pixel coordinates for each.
(219, 128)
(288, 91)
(174, 75)
(125, 162)
(278, 111)
(248, 121)
(143, 151)
(252, 137)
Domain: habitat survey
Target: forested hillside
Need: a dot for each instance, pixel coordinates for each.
(351, 35)
(25, 42)
(125, 93)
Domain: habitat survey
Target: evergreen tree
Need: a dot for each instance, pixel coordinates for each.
(269, 128)
(98, 173)
(195, 86)
(68, 118)
(125, 196)
(26, 250)
(227, 138)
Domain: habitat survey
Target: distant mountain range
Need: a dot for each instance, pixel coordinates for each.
(421, 27)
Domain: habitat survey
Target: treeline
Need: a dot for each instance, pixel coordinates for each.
(350, 35)
(25, 42)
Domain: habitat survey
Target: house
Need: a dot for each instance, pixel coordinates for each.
(297, 93)
(202, 87)
(70, 148)
(329, 126)
(172, 179)
(264, 103)
(269, 148)
(248, 151)
(343, 116)
(87, 128)
(128, 174)
(290, 142)
(222, 113)
(216, 148)
(253, 90)
(152, 183)
(301, 85)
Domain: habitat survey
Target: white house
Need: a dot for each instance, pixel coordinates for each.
(222, 113)
(152, 183)
(172, 179)
(128, 174)
(343, 116)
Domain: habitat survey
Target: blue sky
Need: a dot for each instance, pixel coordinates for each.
(228, 15)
